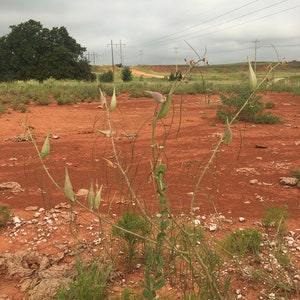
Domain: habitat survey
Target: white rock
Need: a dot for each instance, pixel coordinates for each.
(253, 181)
(16, 220)
(242, 219)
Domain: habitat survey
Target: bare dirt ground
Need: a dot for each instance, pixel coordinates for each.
(242, 182)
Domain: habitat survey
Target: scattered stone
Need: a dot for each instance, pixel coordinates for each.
(212, 227)
(242, 219)
(12, 185)
(290, 181)
(55, 137)
(253, 181)
(31, 208)
(16, 220)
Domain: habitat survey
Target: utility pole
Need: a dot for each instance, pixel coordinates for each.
(176, 52)
(255, 52)
(112, 55)
(121, 55)
(141, 56)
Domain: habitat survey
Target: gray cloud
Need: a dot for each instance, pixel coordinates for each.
(152, 29)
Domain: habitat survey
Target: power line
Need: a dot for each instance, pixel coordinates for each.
(211, 19)
(233, 19)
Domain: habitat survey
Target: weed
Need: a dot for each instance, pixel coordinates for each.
(131, 223)
(242, 242)
(275, 217)
(251, 112)
(5, 214)
(89, 284)
(269, 105)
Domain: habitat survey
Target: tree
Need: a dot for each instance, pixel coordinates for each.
(126, 74)
(30, 51)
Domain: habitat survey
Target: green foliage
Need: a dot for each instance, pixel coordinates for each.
(252, 112)
(31, 51)
(276, 217)
(242, 242)
(269, 105)
(129, 225)
(89, 284)
(106, 77)
(177, 76)
(126, 74)
(5, 214)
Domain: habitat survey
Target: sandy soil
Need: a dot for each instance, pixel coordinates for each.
(259, 154)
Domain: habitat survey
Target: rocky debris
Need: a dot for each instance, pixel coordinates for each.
(22, 138)
(290, 181)
(11, 185)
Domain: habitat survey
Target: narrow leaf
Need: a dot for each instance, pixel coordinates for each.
(68, 188)
(159, 284)
(252, 77)
(157, 96)
(46, 147)
(164, 108)
(227, 134)
(107, 133)
(113, 102)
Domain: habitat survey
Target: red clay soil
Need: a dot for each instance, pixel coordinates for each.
(259, 154)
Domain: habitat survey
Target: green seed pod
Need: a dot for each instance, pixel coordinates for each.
(252, 77)
(164, 108)
(68, 189)
(113, 102)
(98, 198)
(46, 147)
(227, 134)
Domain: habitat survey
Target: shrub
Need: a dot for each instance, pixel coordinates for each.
(89, 284)
(126, 74)
(276, 217)
(252, 112)
(106, 77)
(241, 242)
(132, 224)
(177, 76)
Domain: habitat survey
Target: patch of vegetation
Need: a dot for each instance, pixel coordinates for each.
(242, 242)
(131, 228)
(5, 214)
(252, 112)
(106, 77)
(126, 74)
(275, 217)
(91, 282)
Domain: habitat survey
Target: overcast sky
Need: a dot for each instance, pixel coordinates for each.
(155, 31)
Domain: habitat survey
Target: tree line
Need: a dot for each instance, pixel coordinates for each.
(31, 51)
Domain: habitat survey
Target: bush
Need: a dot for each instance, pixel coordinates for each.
(106, 77)
(132, 224)
(126, 74)
(252, 112)
(241, 242)
(90, 283)
(176, 77)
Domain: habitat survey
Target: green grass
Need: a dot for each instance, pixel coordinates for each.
(218, 79)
